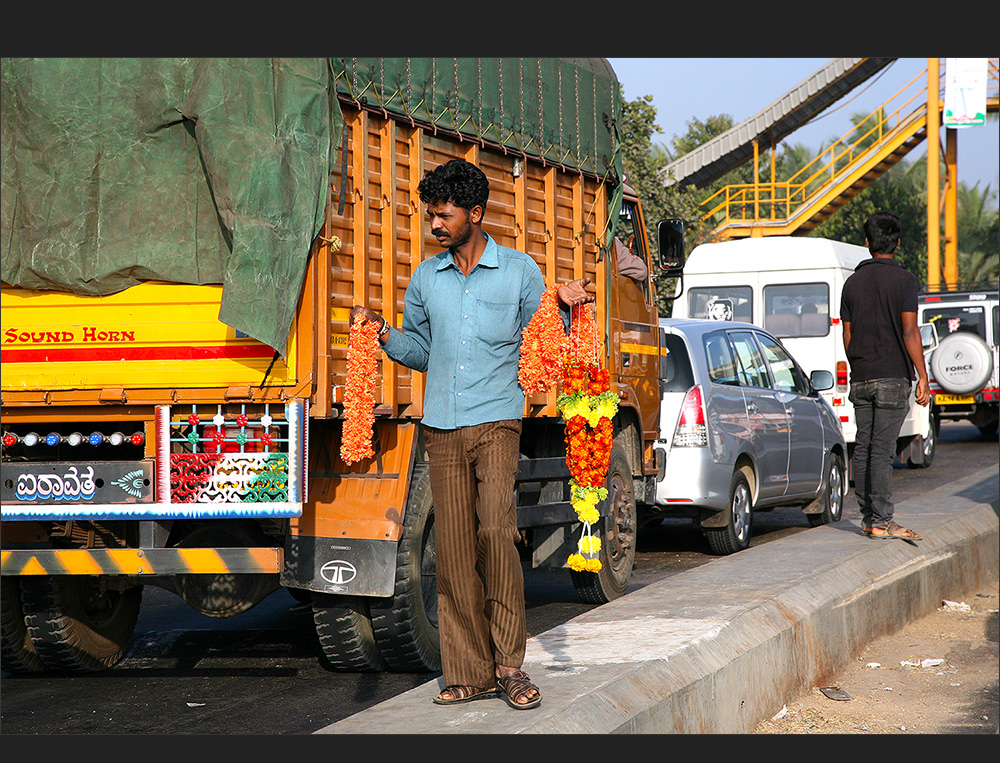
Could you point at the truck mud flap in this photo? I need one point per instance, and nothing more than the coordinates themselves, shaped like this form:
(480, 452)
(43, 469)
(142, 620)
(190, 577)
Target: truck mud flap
(141, 561)
(352, 566)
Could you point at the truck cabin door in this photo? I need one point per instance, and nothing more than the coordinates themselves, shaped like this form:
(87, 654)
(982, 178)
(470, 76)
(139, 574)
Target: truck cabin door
(634, 320)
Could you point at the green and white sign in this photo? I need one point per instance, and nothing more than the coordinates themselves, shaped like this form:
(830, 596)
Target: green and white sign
(964, 92)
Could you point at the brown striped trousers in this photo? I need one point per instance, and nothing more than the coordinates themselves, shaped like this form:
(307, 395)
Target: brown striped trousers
(480, 583)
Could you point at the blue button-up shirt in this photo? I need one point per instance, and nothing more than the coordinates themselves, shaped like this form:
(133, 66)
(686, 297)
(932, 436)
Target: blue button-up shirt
(465, 332)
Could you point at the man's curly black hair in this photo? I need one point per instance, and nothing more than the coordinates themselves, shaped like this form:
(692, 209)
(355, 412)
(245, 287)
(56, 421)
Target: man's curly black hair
(457, 181)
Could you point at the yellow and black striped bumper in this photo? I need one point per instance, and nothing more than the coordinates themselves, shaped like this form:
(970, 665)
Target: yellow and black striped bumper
(141, 561)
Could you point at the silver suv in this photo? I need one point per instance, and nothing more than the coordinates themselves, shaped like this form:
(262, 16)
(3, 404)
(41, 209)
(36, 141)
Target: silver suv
(963, 368)
(742, 427)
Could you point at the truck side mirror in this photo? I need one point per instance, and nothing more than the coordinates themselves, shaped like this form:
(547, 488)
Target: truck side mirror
(670, 239)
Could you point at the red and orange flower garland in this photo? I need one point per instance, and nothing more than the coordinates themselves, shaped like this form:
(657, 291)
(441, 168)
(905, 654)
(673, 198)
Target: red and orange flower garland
(586, 404)
(543, 347)
(359, 392)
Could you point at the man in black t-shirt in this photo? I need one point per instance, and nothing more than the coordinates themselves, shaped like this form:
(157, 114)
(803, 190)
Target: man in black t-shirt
(878, 309)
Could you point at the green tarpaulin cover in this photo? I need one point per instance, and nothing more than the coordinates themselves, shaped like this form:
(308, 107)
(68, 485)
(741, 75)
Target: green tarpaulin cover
(215, 171)
(562, 110)
(118, 171)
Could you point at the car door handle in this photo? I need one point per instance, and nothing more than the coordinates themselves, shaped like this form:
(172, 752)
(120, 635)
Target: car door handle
(751, 408)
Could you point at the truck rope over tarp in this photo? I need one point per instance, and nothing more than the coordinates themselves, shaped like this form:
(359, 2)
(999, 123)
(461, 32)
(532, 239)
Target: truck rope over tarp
(556, 109)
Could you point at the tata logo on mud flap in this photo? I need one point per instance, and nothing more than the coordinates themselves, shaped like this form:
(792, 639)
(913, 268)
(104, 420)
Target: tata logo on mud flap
(338, 572)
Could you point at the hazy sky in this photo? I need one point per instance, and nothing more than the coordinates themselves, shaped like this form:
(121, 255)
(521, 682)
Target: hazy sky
(697, 88)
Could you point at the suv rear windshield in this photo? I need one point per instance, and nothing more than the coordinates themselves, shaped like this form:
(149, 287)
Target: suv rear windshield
(951, 318)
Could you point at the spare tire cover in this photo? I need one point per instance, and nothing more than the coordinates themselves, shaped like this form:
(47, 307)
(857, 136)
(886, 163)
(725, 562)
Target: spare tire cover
(962, 363)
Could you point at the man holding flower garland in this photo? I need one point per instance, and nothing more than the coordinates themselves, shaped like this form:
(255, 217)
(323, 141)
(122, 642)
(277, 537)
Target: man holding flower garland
(464, 311)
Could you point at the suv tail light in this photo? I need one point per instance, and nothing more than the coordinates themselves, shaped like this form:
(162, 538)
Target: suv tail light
(691, 430)
(842, 374)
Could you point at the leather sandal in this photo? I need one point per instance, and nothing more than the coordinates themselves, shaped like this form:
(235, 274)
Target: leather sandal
(462, 694)
(892, 530)
(517, 685)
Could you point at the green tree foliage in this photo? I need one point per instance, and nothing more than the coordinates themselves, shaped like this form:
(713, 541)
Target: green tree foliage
(978, 223)
(643, 162)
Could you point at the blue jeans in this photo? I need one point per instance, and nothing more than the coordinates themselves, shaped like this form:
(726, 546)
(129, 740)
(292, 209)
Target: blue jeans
(880, 406)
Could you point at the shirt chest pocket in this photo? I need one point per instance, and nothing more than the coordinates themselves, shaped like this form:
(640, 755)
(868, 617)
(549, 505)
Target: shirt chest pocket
(497, 321)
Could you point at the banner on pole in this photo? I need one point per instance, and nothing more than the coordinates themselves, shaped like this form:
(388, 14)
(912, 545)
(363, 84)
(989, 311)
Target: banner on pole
(964, 92)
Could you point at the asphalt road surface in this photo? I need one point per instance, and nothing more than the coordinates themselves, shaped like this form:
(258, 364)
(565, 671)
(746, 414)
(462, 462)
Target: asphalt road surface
(262, 672)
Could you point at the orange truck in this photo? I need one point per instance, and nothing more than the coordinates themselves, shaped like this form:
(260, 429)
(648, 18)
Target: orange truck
(162, 432)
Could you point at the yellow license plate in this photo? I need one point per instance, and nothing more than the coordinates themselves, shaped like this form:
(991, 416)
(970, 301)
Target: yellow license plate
(953, 399)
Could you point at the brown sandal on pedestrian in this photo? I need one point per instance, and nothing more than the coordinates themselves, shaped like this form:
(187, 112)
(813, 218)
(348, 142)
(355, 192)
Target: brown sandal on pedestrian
(517, 685)
(462, 694)
(892, 530)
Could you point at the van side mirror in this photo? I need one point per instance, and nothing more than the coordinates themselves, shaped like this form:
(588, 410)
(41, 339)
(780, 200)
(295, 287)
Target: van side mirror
(821, 379)
(670, 240)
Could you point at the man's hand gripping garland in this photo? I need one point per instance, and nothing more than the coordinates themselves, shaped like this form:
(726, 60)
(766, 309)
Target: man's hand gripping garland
(586, 403)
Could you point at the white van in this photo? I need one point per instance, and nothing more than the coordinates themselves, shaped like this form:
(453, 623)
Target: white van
(791, 286)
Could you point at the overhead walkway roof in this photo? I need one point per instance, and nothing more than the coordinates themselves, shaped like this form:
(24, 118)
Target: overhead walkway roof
(791, 111)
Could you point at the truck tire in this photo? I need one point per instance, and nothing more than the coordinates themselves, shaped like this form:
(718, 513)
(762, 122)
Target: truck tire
(405, 624)
(735, 534)
(17, 654)
(617, 552)
(78, 624)
(225, 595)
(344, 629)
(962, 363)
(833, 495)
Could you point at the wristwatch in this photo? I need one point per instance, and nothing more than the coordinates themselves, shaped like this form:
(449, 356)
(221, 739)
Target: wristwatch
(385, 328)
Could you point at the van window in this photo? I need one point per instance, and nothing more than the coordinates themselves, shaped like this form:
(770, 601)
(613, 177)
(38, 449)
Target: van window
(948, 320)
(752, 371)
(797, 309)
(721, 303)
(788, 377)
(721, 368)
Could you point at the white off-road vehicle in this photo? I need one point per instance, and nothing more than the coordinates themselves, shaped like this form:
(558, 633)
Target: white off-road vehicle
(963, 368)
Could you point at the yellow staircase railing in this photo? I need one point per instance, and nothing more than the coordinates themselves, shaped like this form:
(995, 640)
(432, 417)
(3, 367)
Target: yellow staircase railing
(799, 204)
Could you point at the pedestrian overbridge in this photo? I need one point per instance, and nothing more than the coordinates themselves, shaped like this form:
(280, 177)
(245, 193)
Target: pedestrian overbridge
(799, 204)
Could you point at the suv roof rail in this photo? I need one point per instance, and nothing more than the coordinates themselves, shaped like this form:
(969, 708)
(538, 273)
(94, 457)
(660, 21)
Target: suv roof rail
(984, 295)
(965, 287)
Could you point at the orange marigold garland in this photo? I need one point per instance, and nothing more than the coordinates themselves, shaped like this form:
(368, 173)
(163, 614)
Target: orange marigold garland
(543, 344)
(586, 404)
(359, 392)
